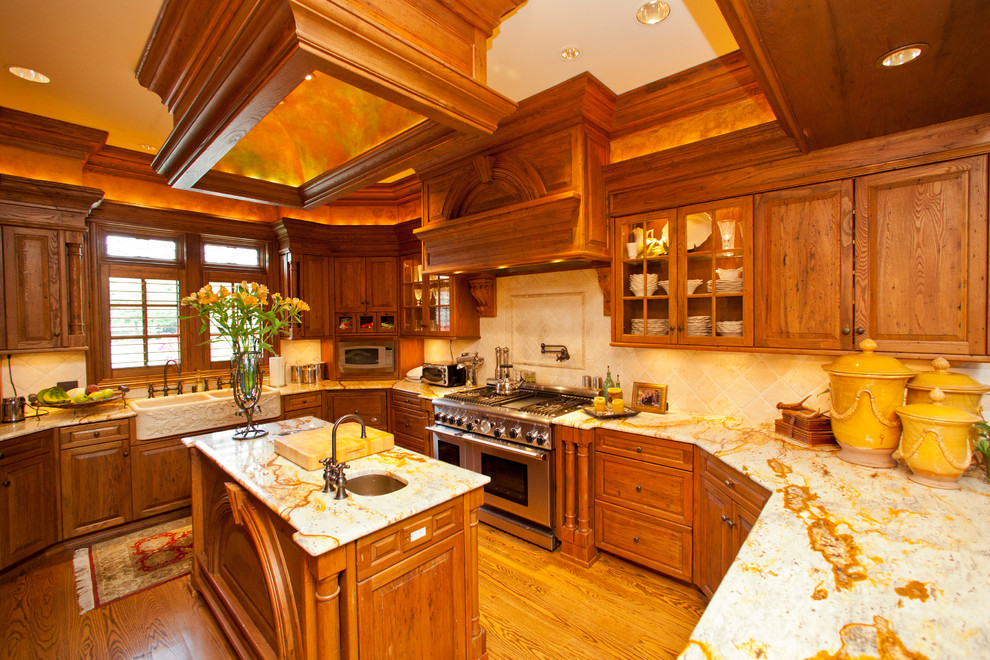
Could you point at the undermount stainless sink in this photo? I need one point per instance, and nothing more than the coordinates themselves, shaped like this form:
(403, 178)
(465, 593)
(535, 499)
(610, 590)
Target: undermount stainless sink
(196, 411)
(370, 485)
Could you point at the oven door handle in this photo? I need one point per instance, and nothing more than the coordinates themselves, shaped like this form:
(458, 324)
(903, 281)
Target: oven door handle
(538, 454)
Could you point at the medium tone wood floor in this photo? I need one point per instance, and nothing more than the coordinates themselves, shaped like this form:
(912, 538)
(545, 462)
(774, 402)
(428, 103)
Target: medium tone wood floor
(533, 605)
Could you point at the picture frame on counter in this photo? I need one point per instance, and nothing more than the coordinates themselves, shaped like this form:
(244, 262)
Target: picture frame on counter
(649, 397)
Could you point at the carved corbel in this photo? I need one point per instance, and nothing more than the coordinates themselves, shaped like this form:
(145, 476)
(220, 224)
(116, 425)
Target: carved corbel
(484, 293)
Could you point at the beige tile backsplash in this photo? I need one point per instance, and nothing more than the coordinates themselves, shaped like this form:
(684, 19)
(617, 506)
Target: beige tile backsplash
(566, 308)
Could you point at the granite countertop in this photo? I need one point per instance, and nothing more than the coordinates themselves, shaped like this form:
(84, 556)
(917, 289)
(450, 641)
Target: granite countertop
(321, 522)
(59, 417)
(423, 389)
(845, 561)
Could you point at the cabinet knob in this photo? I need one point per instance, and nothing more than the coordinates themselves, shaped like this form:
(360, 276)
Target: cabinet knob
(730, 484)
(846, 330)
(635, 539)
(126, 454)
(639, 489)
(96, 434)
(680, 328)
(56, 334)
(639, 450)
(860, 330)
(6, 484)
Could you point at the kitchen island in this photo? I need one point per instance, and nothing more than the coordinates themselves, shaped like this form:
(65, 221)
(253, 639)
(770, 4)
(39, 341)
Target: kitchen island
(291, 572)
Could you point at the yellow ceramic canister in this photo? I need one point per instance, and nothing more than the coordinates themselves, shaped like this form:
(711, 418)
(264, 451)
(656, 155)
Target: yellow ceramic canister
(865, 390)
(935, 441)
(960, 390)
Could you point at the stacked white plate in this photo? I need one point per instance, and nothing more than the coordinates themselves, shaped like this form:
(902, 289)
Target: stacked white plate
(726, 286)
(652, 326)
(636, 284)
(729, 328)
(665, 285)
(692, 285)
(699, 326)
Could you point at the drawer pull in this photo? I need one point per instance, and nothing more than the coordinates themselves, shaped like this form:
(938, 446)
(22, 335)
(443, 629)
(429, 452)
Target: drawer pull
(635, 539)
(639, 489)
(639, 450)
(96, 434)
(6, 484)
(728, 522)
(126, 454)
(730, 484)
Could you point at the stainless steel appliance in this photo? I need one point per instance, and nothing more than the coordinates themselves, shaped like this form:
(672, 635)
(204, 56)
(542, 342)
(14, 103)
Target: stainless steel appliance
(366, 357)
(445, 374)
(13, 409)
(507, 437)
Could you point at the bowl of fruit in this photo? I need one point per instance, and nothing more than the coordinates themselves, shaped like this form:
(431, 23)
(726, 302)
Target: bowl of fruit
(78, 397)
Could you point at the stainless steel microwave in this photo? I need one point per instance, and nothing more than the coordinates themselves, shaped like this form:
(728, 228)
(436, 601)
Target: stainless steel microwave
(366, 357)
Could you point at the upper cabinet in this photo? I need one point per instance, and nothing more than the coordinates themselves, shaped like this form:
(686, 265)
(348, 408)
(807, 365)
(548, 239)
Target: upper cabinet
(365, 294)
(684, 276)
(435, 305)
(44, 271)
(921, 258)
(804, 267)
(309, 277)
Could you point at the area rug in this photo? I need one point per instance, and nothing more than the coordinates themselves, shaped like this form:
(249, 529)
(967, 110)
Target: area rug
(117, 568)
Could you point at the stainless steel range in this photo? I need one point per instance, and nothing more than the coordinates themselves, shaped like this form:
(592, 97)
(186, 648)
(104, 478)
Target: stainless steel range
(508, 437)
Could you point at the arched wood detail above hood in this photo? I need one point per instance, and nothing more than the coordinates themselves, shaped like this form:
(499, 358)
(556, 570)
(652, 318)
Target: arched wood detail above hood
(493, 182)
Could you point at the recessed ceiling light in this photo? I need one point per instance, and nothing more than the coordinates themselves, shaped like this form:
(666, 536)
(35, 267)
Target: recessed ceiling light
(902, 55)
(651, 13)
(148, 147)
(29, 74)
(570, 53)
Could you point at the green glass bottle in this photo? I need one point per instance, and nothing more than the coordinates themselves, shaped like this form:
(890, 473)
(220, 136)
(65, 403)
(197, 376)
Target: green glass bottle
(607, 384)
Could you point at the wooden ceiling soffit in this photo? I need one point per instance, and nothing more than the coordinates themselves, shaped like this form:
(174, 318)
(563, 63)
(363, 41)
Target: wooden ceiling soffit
(38, 203)
(817, 64)
(49, 136)
(220, 67)
(305, 237)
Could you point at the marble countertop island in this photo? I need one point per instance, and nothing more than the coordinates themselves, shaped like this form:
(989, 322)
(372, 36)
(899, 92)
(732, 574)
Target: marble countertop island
(845, 561)
(321, 522)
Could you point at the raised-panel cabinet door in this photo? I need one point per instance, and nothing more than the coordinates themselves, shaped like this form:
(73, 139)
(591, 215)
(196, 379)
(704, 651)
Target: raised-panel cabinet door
(713, 542)
(27, 508)
(921, 258)
(96, 487)
(381, 284)
(315, 289)
(349, 283)
(161, 477)
(32, 286)
(804, 267)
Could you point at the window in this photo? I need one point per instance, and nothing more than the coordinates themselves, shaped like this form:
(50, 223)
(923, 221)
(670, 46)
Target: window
(144, 321)
(230, 255)
(132, 247)
(221, 350)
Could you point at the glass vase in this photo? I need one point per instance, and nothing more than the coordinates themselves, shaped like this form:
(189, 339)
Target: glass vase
(246, 385)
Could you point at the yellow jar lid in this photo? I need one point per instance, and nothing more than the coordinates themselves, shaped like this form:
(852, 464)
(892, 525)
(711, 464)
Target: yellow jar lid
(868, 364)
(947, 381)
(936, 412)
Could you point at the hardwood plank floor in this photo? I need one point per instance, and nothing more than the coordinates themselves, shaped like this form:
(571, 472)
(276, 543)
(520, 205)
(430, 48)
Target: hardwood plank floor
(533, 604)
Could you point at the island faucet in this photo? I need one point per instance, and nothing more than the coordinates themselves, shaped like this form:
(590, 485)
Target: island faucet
(178, 374)
(333, 472)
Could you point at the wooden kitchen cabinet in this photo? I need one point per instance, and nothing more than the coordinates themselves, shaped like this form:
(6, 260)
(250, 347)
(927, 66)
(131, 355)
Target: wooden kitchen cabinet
(365, 295)
(95, 476)
(309, 277)
(33, 287)
(28, 496)
(644, 500)
(369, 405)
(160, 476)
(435, 305)
(804, 267)
(921, 258)
(409, 415)
(680, 281)
(303, 404)
(728, 505)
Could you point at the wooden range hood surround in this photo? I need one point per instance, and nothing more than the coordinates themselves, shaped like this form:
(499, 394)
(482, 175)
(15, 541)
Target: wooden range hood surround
(220, 67)
(529, 197)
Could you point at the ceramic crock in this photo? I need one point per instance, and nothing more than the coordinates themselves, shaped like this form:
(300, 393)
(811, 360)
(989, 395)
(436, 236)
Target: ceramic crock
(866, 389)
(960, 390)
(935, 441)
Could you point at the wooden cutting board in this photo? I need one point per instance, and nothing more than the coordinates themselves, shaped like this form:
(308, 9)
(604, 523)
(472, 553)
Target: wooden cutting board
(307, 448)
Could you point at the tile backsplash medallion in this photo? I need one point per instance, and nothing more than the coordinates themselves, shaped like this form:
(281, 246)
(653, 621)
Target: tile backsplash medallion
(566, 308)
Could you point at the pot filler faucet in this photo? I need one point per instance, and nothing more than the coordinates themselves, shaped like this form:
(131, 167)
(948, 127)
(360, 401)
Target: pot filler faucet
(333, 472)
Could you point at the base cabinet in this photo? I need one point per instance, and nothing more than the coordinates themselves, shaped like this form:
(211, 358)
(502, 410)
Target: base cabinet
(95, 476)
(159, 476)
(409, 415)
(369, 405)
(728, 506)
(28, 502)
(302, 405)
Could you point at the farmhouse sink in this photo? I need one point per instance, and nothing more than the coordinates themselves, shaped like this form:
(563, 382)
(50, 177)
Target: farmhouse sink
(196, 412)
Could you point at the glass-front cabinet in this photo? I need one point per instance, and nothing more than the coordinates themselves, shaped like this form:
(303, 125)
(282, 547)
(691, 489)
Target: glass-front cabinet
(685, 275)
(426, 300)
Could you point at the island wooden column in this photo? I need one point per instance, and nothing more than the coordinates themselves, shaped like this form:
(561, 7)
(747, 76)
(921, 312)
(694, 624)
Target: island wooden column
(575, 528)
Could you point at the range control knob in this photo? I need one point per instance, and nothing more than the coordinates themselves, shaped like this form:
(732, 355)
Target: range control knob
(467, 425)
(442, 417)
(531, 436)
(515, 431)
(498, 431)
(545, 439)
(484, 426)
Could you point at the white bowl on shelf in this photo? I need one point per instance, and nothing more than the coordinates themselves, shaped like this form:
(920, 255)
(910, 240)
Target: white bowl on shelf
(692, 285)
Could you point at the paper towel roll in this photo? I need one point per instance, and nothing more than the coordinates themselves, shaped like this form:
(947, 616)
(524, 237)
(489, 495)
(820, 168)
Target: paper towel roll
(276, 367)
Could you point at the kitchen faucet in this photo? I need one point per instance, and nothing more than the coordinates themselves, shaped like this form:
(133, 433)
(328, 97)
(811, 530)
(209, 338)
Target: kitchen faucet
(333, 472)
(178, 374)
(503, 384)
